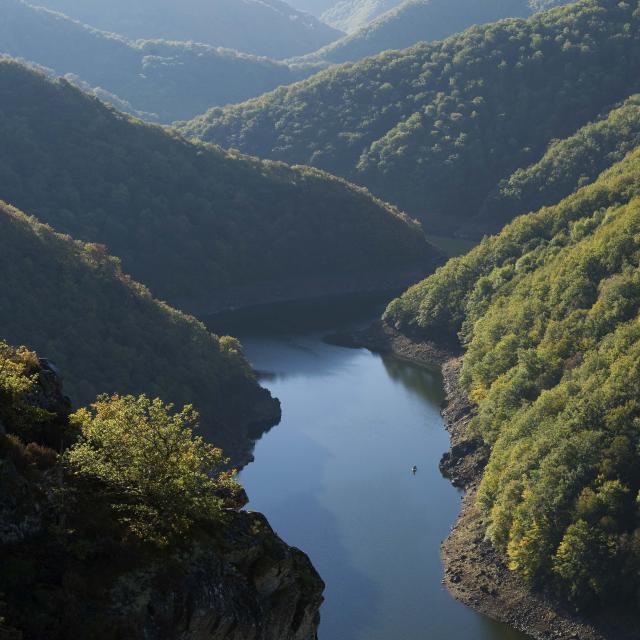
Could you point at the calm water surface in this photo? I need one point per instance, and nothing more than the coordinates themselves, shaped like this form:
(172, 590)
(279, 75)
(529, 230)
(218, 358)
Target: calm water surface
(334, 479)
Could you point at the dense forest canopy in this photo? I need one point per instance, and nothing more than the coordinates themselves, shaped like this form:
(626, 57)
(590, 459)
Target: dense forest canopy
(72, 303)
(189, 220)
(566, 165)
(439, 305)
(549, 314)
(434, 128)
(261, 27)
(160, 80)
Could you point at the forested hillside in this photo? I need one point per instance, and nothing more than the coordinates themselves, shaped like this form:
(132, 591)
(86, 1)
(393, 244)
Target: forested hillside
(161, 80)
(567, 165)
(549, 314)
(261, 27)
(193, 222)
(72, 303)
(434, 128)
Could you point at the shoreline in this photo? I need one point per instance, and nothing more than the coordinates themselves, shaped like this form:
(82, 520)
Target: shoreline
(475, 573)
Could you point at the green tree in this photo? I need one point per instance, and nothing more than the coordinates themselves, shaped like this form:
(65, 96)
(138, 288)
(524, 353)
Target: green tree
(162, 479)
(580, 562)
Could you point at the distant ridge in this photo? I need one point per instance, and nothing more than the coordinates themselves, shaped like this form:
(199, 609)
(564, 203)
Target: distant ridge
(434, 128)
(261, 27)
(351, 15)
(158, 80)
(411, 21)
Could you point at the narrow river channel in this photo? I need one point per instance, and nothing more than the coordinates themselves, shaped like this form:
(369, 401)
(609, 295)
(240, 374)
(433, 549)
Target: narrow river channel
(334, 479)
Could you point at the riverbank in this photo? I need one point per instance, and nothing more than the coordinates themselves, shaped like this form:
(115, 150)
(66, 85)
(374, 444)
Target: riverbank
(475, 573)
(381, 338)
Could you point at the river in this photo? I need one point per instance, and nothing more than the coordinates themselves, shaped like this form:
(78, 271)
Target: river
(334, 478)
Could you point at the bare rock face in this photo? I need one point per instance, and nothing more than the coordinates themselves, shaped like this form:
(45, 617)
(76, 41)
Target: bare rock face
(258, 588)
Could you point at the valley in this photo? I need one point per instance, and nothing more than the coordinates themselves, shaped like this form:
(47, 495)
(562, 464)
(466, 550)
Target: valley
(319, 320)
(357, 420)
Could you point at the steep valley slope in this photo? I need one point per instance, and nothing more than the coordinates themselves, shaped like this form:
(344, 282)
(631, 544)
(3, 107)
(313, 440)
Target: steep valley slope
(201, 227)
(71, 301)
(547, 315)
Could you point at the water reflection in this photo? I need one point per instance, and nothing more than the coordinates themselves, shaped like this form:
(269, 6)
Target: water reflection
(425, 382)
(304, 358)
(334, 479)
(352, 595)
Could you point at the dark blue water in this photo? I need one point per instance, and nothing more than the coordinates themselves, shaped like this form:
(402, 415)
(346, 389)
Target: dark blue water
(334, 479)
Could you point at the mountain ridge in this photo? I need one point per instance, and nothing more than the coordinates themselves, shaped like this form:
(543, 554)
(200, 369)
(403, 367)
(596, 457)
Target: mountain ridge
(435, 127)
(190, 221)
(159, 80)
(261, 27)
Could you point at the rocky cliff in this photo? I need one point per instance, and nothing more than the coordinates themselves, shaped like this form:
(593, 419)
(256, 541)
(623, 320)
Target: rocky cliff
(255, 588)
(65, 575)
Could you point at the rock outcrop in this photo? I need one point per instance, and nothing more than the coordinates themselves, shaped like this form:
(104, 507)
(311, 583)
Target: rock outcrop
(23, 500)
(257, 588)
(236, 580)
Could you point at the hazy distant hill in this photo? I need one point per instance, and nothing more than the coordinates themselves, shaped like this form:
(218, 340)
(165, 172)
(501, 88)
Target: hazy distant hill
(193, 222)
(160, 80)
(346, 15)
(416, 21)
(435, 128)
(350, 15)
(261, 27)
(353, 15)
(316, 7)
